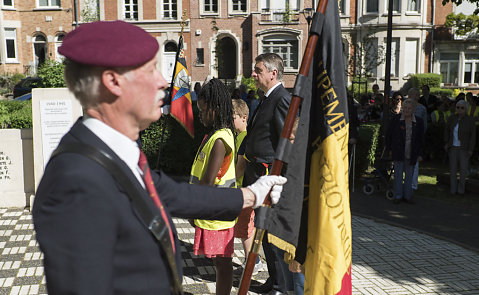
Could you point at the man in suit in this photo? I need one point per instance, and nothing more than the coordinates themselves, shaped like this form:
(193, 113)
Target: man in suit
(93, 237)
(264, 131)
(428, 100)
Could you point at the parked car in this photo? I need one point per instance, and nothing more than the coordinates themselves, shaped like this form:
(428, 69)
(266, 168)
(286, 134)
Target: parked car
(25, 86)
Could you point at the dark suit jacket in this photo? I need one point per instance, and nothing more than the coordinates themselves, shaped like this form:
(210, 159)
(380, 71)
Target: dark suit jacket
(431, 103)
(265, 127)
(92, 239)
(396, 139)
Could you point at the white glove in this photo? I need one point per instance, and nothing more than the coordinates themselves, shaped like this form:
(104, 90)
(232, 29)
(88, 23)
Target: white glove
(263, 185)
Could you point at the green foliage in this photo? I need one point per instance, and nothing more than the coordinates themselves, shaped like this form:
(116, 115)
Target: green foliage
(15, 114)
(287, 13)
(51, 73)
(8, 81)
(249, 83)
(176, 146)
(90, 12)
(367, 56)
(368, 146)
(440, 91)
(430, 79)
(462, 24)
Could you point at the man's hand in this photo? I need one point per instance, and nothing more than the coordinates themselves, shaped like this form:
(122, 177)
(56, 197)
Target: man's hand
(262, 187)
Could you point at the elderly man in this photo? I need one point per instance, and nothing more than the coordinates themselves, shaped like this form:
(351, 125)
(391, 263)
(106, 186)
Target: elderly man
(90, 226)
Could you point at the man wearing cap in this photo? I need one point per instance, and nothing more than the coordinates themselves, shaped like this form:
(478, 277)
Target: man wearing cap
(93, 237)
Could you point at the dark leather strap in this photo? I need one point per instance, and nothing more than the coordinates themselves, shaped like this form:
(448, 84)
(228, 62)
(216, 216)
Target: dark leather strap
(155, 224)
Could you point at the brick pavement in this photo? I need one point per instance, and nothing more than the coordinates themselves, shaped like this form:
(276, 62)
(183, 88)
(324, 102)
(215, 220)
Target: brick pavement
(386, 260)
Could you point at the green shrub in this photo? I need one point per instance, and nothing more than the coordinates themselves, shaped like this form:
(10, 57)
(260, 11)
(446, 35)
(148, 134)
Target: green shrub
(368, 146)
(8, 81)
(176, 146)
(51, 73)
(430, 79)
(249, 83)
(439, 91)
(15, 114)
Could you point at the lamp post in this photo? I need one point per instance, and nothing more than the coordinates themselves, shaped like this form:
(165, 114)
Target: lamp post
(308, 15)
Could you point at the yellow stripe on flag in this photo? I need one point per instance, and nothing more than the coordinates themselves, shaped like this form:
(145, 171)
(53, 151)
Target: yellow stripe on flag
(179, 68)
(329, 226)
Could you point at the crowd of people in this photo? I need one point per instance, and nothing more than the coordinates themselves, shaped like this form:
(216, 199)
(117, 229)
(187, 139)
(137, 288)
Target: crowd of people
(425, 127)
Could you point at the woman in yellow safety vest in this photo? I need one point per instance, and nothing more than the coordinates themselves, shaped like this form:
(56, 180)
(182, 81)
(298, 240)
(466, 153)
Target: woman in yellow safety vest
(214, 166)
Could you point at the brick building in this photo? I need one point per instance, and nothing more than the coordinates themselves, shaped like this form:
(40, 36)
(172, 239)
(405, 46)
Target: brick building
(221, 37)
(31, 32)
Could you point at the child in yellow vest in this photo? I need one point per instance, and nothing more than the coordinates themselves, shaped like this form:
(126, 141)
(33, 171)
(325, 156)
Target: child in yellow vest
(244, 228)
(214, 166)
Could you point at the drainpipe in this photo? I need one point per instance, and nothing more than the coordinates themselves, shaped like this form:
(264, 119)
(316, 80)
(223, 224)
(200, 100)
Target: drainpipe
(75, 12)
(433, 22)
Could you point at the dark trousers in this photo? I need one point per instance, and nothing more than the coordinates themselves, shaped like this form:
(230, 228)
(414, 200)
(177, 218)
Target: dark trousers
(252, 172)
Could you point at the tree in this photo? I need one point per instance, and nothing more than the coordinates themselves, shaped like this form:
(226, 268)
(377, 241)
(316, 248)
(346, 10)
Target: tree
(463, 25)
(458, 2)
(90, 11)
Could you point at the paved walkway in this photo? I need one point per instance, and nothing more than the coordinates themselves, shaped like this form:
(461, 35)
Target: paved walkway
(386, 260)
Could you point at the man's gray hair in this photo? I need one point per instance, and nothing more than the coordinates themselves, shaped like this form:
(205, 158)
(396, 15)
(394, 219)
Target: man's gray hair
(84, 82)
(272, 62)
(414, 92)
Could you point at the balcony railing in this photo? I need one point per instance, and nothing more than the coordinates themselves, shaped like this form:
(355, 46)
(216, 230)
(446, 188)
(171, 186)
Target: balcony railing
(279, 16)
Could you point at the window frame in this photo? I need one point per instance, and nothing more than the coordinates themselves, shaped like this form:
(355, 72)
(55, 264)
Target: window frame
(49, 5)
(366, 7)
(448, 62)
(474, 71)
(15, 45)
(386, 7)
(203, 4)
(170, 9)
(11, 6)
(131, 5)
(232, 11)
(279, 37)
(417, 10)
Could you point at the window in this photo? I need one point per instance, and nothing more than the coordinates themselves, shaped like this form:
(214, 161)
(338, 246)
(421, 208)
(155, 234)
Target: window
(285, 46)
(413, 5)
(210, 6)
(170, 9)
(342, 7)
(239, 5)
(471, 69)
(371, 56)
(396, 6)
(372, 6)
(8, 3)
(410, 60)
(58, 43)
(200, 56)
(131, 10)
(11, 45)
(49, 3)
(280, 4)
(449, 67)
(394, 56)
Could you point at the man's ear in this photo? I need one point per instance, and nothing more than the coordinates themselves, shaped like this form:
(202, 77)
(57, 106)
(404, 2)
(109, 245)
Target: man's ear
(274, 74)
(111, 81)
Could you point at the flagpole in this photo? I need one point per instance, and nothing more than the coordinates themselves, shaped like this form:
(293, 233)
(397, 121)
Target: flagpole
(278, 164)
(168, 99)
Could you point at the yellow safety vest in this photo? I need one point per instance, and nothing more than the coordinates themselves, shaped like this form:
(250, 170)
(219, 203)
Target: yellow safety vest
(238, 140)
(437, 116)
(226, 176)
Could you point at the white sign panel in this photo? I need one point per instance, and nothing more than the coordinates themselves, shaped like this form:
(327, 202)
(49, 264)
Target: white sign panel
(56, 120)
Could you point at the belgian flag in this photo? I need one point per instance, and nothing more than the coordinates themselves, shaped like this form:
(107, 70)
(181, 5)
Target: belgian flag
(329, 240)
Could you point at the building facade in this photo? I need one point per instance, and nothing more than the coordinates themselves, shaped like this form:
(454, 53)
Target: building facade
(31, 32)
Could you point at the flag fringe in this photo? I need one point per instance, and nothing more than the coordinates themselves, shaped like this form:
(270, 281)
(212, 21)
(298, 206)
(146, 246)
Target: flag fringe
(289, 248)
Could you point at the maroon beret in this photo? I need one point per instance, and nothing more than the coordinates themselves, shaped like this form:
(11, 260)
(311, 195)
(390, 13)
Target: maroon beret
(109, 44)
